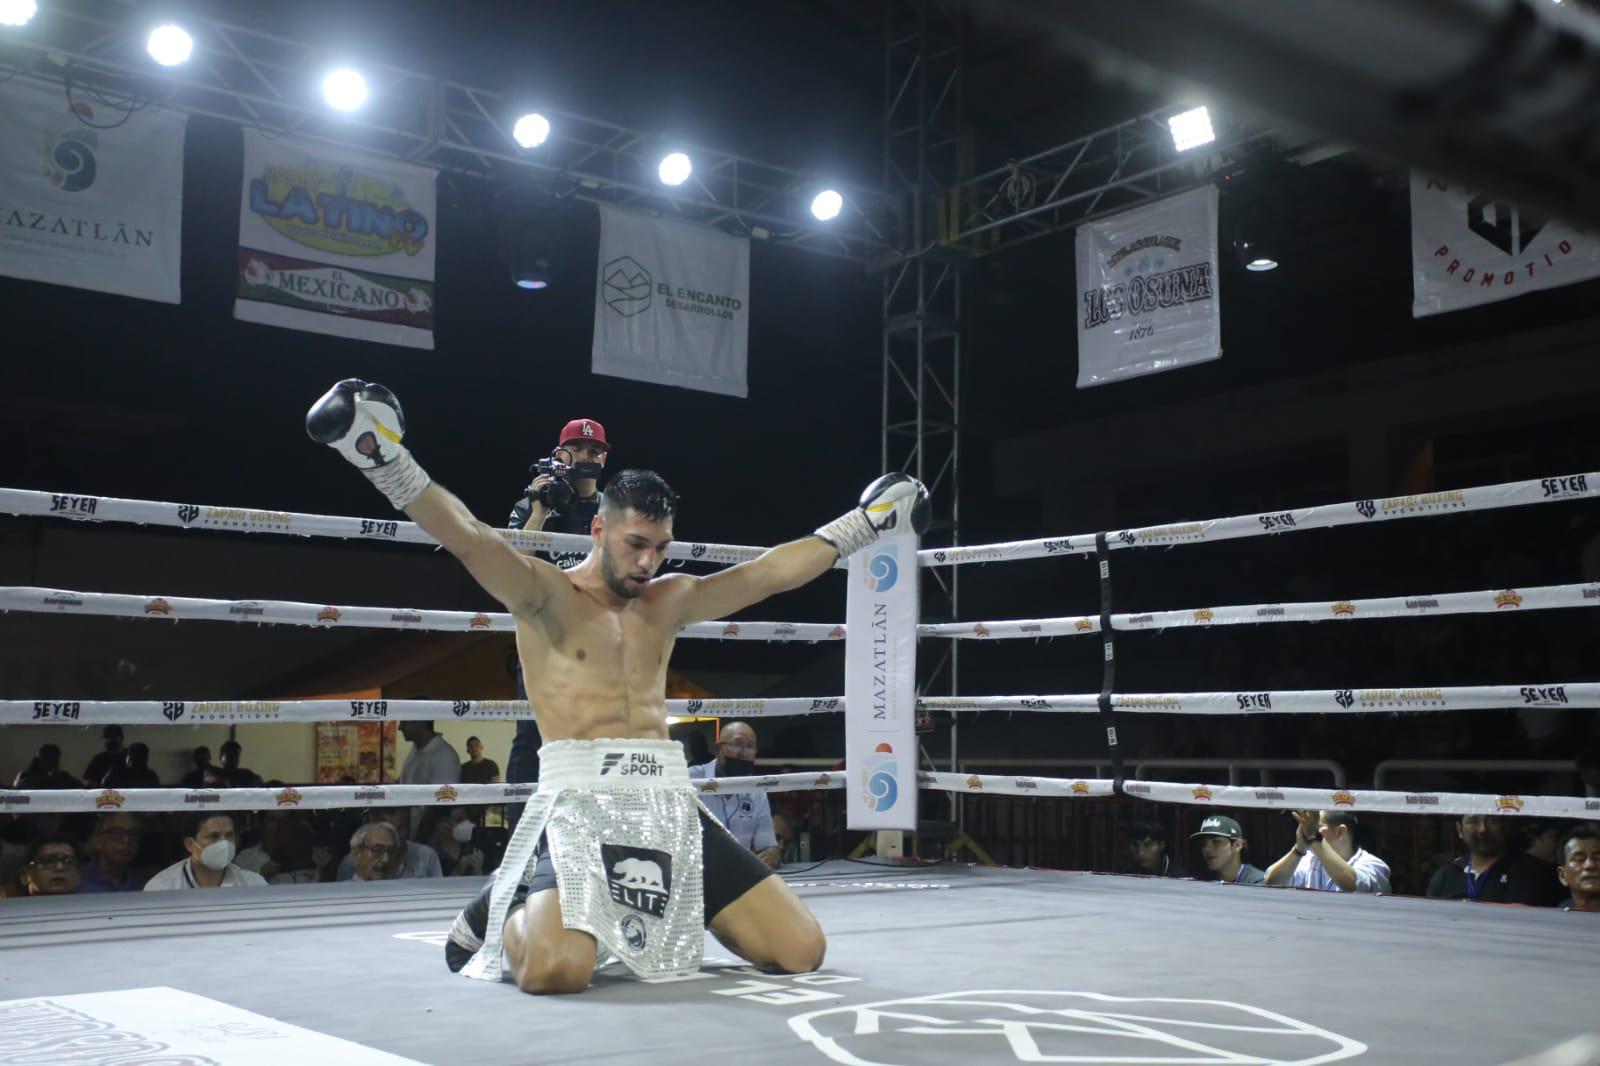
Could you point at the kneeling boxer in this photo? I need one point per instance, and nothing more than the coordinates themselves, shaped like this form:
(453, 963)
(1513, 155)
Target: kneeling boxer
(614, 849)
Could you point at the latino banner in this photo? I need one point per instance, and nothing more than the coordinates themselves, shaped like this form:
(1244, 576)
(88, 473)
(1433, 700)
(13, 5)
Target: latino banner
(335, 242)
(1470, 247)
(672, 304)
(90, 196)
(1147, 284)
(880, 685)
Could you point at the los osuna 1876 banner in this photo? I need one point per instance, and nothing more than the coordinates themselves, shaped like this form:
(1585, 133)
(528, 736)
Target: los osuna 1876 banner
(334, 242)
(880, 667)
(1147, 284)
(90, 196)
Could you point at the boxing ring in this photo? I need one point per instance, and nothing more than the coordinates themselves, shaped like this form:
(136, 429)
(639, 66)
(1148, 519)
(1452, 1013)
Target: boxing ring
(940, 963)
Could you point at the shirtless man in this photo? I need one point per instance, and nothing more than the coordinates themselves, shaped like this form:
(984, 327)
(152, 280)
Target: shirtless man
(594, 643)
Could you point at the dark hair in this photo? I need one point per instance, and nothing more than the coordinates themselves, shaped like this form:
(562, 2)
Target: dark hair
(1144, 829)
(192, 824)
(52, 838)
(471, 739)
(1344, 818)
(644, 492)
(1583, 831)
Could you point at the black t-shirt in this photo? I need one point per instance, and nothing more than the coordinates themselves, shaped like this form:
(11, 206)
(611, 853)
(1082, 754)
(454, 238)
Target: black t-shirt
(479, 773)
(1516, 878)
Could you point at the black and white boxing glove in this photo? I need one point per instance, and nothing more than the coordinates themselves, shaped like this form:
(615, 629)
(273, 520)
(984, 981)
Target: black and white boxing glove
(364, 423)
(891, 504)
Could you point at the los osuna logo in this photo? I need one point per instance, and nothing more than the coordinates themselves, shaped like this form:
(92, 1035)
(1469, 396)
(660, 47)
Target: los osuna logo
(883, 568)
(631, 764)
(639, 878)
(625, 286)
(880, 779)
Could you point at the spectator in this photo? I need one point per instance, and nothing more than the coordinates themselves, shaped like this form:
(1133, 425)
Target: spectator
(283, 855)
(44, 771)
(1542, 840)
(1326, 856)
(420, 860)
(477, 770)
(196, 778)
(375, 851)
(748, 815)
(450, 834)
(431, 761)
(51, 868)
(1147, 852)
(1222, 846)
(1580, 868)
(211, 843)
(95, 772)
(235, 775)
(134, 770)
(783, 830)
(111, 851)
(1492, 871)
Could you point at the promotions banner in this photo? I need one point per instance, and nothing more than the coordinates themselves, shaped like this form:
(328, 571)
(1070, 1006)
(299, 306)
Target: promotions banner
(90, 196)
(1470, 248)
(880, 669)
(1148, 279)
(671, 304)
(335, 242)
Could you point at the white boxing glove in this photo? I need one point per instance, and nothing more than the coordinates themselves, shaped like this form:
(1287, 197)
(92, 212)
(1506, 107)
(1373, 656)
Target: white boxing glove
(364, 423)
(893, 503)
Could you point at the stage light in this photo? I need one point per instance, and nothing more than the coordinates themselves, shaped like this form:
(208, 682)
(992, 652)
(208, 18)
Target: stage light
(169, 45)
(17, 12)
(531, 130)
(1254, 257)
(1191, 129)
(675, 169)
(344, 89)
(826, 205)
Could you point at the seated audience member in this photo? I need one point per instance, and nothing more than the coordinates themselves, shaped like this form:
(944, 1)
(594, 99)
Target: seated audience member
(477, 770)
(1491, 871)
(211, 842)
(1542, 840)
(196, 778)
(110, 851)
(1326, 856)
(44, 771)
(134, 770)
(449, 832)
(283, 855)
(1580, 868)
(747, 815)
(1222, 846)
(1147, 852)
(232, 773)
(783, 830)
(95, 772)
(419, 860)
(51, 868)
(375, 853)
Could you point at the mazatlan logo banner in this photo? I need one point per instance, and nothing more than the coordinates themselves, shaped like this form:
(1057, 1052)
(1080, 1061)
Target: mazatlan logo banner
(333, 242)
(1470, 248)
(1147, 290)
(879, 685)
(672, 304)
(90, 196)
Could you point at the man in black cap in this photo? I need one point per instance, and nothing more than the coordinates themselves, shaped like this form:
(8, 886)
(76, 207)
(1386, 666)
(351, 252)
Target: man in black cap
(1147, 852)
(1222, 849)
(102, 763)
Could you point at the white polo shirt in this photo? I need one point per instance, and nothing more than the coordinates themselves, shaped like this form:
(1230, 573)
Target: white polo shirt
(435, 763)
(1372, 873)
(179, 876)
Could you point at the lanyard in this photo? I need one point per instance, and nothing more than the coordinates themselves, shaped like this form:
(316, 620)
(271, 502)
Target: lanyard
(1472, 880)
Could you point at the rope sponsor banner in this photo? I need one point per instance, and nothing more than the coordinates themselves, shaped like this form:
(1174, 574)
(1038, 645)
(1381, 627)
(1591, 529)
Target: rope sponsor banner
(1357, 799)
(1009, 785)
(91, 196)
(1148, 282)
(1469, 247)
(880, 667)
(331, 241)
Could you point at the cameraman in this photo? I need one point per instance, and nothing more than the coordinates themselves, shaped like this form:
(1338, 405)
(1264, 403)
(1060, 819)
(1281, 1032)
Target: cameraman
(563, 498)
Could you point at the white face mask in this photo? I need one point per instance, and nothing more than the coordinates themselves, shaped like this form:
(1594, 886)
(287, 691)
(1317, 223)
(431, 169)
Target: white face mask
(217, 856)
(463, 832)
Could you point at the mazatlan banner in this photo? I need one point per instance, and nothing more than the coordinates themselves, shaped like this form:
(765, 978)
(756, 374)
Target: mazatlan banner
(334, 242)
(1147, 280)
(1470, 248)
(880, 666)
(672, 304)
(90, 196)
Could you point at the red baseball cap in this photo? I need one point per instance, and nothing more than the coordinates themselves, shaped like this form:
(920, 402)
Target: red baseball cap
(586, 430)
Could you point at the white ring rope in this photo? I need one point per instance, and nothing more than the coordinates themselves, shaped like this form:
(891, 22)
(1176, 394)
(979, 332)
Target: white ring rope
(1556, 695)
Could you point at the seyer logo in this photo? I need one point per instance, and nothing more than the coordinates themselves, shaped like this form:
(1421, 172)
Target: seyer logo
(639, 878)
(631, 764)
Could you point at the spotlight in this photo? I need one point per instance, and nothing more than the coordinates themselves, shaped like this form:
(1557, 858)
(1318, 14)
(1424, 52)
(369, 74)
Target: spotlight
(533, 228)
(17, 12)
(169, 45)
(827, 205)
(675, 169)
(344, 89)
(531, 130)
(1191, 129)
(1254, 256)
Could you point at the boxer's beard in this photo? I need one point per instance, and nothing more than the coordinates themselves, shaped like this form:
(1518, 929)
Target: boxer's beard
(617, 583)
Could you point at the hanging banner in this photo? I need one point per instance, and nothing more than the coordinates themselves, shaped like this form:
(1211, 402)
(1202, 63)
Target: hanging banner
(1147, 280)
(90, 196)
(334, 242)
(671, 304)
(880, 669)
(1470, 248)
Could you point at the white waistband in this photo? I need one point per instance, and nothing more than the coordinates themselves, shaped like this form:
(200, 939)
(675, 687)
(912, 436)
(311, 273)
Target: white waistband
(613, 764)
